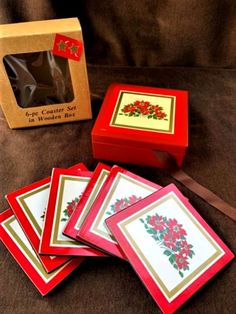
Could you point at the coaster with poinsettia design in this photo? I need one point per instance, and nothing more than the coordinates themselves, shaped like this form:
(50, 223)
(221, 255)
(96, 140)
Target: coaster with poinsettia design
(29, 204)
(94, 186)
(169, 245)
(14, 238)
(66, 189)
(121, 189)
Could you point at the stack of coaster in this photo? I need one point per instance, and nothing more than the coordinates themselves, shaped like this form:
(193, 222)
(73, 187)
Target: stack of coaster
(55, 223)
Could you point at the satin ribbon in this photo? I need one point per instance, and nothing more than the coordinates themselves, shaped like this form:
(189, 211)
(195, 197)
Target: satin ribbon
(211, 198)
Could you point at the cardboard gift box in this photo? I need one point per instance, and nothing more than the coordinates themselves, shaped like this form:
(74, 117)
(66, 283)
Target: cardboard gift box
(142, 125)
(43, 75)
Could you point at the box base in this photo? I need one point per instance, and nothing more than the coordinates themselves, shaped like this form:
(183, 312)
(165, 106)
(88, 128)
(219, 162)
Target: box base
(136, 155)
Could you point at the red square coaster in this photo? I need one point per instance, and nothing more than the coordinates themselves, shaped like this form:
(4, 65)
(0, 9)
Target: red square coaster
(169, 245)
(29, 205)
(94, 186)
(121, 189)
(67, 187)
(12, 235)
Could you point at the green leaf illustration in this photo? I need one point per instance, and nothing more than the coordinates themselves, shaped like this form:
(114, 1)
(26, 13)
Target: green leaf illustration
(191, 254)
(167, 252)
(151, 231)
(181, 274)
(172, 258)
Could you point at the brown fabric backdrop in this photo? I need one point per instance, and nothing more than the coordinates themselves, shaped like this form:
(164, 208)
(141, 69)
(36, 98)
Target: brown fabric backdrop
(172, 44)
(143, 32)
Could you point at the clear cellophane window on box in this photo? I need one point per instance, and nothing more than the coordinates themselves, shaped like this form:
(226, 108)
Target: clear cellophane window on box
(39, 78)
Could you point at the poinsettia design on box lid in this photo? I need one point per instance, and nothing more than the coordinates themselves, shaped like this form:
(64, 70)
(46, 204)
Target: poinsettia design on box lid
(122, 204)
(170, 236)
(144, 109)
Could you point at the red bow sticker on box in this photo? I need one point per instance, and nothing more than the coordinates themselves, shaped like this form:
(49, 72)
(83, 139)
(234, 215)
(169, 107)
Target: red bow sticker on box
(67, 47)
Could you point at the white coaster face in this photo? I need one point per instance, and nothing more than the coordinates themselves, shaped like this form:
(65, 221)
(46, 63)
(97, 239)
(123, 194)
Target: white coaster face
(34, 204)
(123, 192)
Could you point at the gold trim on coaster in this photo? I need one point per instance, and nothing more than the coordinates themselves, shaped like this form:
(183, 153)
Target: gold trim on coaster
(21, 200)
(171, 118)
(104, 206)
(102, 177)
(30, 256)
(173, 293)
(58, 210)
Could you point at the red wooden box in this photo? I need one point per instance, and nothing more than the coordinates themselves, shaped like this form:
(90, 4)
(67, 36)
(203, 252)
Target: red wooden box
(139, 125)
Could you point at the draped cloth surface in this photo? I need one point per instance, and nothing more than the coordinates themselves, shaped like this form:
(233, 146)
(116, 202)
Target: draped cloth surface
(181, 44)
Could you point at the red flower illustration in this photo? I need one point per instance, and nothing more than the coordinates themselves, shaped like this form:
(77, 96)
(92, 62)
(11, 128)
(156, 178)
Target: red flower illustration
(71, 206)
(176, 228)
(119, 204)
(123, 203)
(130, 108)
(144, 108)
(134, 199)
(144, 111)
(170, 239)
(181, 261)
(170, 236)
(185, 248)
(157, 222)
